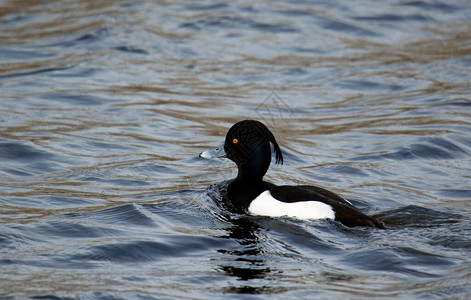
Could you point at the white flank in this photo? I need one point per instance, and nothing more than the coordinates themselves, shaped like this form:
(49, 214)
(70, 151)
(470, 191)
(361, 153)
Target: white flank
(266, 205)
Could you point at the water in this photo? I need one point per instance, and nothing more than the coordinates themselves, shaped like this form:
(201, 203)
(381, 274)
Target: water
(105, 106)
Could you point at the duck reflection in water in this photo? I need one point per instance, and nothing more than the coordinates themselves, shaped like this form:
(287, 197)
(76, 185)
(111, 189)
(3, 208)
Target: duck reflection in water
(245, 263)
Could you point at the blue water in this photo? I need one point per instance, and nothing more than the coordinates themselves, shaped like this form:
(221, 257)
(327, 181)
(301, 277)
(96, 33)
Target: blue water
(105, 106)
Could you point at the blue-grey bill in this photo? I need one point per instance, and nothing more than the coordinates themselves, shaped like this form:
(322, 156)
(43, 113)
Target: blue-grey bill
(218, 152)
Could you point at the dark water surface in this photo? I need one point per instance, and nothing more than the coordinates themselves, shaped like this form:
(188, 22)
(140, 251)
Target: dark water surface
(105, 106)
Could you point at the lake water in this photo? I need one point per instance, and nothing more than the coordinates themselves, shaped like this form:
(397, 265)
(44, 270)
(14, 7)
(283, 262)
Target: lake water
(105, 106)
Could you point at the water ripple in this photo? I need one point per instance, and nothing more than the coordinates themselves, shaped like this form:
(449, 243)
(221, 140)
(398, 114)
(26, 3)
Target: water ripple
(107, 104)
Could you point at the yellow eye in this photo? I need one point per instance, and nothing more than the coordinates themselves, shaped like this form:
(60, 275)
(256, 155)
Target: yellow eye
(235, 141)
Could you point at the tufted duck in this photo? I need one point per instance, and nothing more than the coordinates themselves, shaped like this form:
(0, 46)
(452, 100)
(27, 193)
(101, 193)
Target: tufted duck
(248, 145)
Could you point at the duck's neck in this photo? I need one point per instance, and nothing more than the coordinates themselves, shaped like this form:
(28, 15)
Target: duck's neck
(250, 175)
(253, 170)
(249, 181)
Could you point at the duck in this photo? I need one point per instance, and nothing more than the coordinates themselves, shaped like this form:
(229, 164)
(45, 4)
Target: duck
(247, 144)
